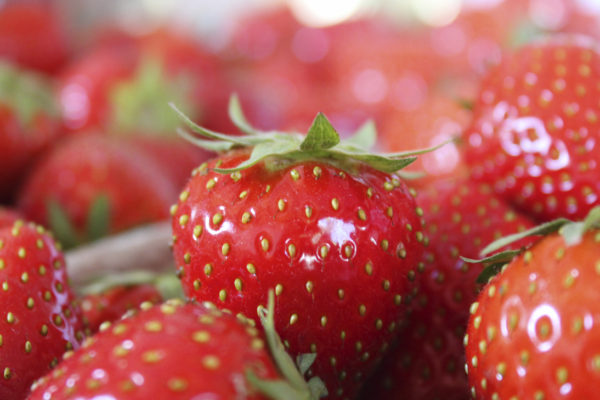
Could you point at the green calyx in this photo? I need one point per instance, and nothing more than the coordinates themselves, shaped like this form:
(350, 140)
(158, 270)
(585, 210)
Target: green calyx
(26, 93)
(97, 223)
(572, 233)
(322, 143)
(293, 386)
(138, 104)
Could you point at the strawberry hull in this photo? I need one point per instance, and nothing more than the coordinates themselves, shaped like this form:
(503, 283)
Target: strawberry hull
(338, 248)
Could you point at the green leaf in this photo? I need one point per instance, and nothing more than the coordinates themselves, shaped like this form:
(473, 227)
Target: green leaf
(242, 141)
(382, 163)
(573, 232)
(212, 145)
(493, 264)
(236, 114)
(539, 230)
(365, 137)
(260, 152)
(304, 361)
(275, 389)
(419, 152)
(321, 135)
(411, 175)
(61, 225)
(98, 221)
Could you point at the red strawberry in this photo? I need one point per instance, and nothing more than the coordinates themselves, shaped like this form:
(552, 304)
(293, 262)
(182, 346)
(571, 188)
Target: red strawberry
(315, 220)
(39, 321)
(92, 185)
(534, 331)
(125, 88)
(8, 217)
(172, 351)
(535, 133)
(113, 303)
(32, 36)
(29, 122)
(461, 217)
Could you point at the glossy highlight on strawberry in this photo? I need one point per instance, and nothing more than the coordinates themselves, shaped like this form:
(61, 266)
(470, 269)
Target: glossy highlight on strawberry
(39, 320)
(337, 239)
(535, 134)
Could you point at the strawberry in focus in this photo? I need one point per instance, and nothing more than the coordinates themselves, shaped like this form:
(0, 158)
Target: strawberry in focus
(427, 362)
(174, 351)
(534, 330)
(335, 236)
(93, 185)
(534, 135)
(39, 319)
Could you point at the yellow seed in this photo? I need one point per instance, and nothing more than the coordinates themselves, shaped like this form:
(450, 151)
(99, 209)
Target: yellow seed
(293, 319)
(323, 321)
(208, 269)
(295, 174)
(281, 204)
(278, 289)
(264, 244)
(291, 250)
(183, 219)
(369, 268)
(184, 195)
(341, 293)
(362, 215)
(335, 204)
(308, 211)
(225, 248)
(21, 252)
(309, 286)
(177, 384)
(317, 171)
(246, 216)
(323, 251)
(238, 284)
(197, 231)
(222, 295)
(251, 268)
(210, 184)
(201, 337)
(362, 309)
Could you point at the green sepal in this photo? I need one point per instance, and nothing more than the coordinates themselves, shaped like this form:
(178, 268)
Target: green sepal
(493, 264)
(540, 230)
(237, 116)
(321, 135)
(26, 93)
(572, 233)
(61, 225)
(138, 104)
(98, 219)
(322, 143)
(292, 386)
(364, 138)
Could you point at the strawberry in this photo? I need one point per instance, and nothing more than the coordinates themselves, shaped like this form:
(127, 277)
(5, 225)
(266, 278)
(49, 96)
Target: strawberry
(330, 227)
(169, 351)
(32, 36)
(113, 303)
(29, 122)
(124, 88)
(461, 217)
(92, 185)
(534, 134)
(39, 320)
(533, 332)
(8, 216)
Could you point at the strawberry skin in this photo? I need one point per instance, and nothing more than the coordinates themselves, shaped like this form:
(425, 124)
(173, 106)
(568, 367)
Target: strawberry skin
(535, 135)
(113, 303)
(461, 217)
(170, 351)
(8, 217)
(534, 332)
(83, 168)
(338, 247)
(38, 320)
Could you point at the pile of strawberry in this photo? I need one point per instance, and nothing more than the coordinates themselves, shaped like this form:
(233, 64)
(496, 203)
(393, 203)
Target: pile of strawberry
(310, 260)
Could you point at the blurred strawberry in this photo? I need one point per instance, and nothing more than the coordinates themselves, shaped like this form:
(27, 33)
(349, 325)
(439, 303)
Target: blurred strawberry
(29, 122)
(8, 216)
(93, 185)
(32, 36)
(127, 88)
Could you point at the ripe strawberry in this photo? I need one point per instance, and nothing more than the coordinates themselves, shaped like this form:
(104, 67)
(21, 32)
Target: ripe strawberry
(534, 135)
(534, 330)
(322, 224)
(113, 303)
(461, 217)
(124, 88)
(29, 122)
(39, 321)
(31, 35)
(8, 217)
(92, 185)
(171, 351)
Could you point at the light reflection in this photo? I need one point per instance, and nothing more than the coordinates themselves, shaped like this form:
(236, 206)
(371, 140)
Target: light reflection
(339, 231)
(544, 311)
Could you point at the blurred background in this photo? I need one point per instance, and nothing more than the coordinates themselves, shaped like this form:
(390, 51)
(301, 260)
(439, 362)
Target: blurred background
(111, 67)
